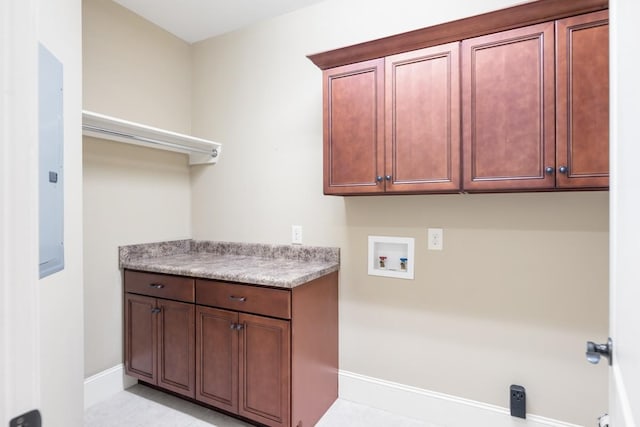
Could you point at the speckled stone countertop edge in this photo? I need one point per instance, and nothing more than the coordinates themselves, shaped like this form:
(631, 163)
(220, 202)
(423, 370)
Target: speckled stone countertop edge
(284, 266)
(128, 253)
(247, 279)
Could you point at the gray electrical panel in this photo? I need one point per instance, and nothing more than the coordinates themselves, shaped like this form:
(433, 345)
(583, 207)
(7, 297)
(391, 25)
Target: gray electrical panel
(50, 181)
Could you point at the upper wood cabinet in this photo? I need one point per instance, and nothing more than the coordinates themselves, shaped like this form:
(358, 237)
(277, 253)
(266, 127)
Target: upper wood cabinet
(582, 101)
(520, 132)
(392, 125)
(508, 109)
(353, 128)
(511, 100)
(422, 123)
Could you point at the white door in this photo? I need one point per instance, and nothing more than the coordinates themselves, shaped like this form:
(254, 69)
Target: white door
(19, 309)
(624, 394)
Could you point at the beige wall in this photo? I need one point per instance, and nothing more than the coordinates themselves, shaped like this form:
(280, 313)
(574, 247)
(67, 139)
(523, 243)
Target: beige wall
(135, 71)
(131, 195)
(521, 284)
(519, 288)
(61, 310)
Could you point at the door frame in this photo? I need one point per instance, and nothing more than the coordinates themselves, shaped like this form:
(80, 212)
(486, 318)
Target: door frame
(19, 288)
(624, 383)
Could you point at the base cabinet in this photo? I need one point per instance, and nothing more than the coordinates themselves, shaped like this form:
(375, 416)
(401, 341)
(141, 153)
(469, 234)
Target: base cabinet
(243, 360)
(267, 355)
(160, 342)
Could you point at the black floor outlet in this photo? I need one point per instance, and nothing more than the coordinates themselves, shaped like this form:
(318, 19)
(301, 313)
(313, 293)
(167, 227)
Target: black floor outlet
(518, 399)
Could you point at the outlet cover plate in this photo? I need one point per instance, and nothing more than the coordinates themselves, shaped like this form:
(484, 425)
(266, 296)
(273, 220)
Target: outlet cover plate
(296, 234)
(435, 239)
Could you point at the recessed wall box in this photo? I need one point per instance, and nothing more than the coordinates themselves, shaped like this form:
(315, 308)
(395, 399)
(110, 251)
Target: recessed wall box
(391, 256)
(51, 167)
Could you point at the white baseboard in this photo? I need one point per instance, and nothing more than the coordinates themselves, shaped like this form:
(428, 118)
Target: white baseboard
(432, 407)
(424, 405)
(105, 384)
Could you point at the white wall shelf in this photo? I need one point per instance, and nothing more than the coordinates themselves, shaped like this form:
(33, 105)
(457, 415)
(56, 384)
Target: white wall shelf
(200, 151)
(391, 256)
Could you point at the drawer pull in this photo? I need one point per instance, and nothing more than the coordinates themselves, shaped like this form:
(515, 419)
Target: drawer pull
(156, 286)
(155, 310)
(234, 298)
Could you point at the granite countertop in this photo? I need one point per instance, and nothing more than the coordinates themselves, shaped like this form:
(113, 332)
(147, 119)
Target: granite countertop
(284, 266)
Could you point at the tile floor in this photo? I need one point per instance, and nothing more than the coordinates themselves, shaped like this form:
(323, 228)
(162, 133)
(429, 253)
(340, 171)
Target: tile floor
(141, 406)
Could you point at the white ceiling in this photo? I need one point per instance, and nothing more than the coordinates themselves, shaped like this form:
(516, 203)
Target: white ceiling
(195, 20)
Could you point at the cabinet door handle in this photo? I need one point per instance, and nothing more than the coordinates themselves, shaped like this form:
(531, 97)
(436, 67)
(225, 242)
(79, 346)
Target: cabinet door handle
(155, 310)
(563, 169)
(234, 298)
(239, 326)
(378, 178)
(156, 285)
(548, 170)
(388, 177)
(232, 326)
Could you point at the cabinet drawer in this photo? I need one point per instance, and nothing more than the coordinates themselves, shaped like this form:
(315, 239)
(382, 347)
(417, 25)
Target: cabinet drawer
(160, 285)
(246, 298)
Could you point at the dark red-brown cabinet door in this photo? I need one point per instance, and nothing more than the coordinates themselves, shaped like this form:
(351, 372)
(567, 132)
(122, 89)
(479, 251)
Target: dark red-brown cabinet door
(265, 370)
(582, 63)
(422, 96)
(217, 358)
(176, 346)
(508, 114)
(140, 337)
(354, 128)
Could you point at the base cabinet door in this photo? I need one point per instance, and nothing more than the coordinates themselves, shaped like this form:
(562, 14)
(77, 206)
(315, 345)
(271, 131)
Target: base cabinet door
(176, 346)
(265, 370)
(141, 356)
(159, 342)
(217, 358)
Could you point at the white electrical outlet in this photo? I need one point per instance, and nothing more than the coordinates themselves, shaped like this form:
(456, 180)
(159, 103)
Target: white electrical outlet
(435, 239)
(296, 234)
